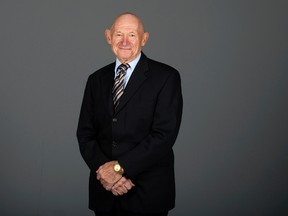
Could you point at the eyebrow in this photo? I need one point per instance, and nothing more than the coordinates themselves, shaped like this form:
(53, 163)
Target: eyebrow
(134, 32)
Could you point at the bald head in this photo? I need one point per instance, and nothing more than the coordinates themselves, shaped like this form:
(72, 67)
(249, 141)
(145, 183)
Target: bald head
(126, 37)
(128, 16)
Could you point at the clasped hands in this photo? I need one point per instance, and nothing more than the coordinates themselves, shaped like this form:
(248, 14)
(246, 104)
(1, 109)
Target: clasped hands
(112, 181)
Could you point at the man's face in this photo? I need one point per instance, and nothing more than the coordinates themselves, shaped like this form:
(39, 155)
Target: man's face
(126, 37)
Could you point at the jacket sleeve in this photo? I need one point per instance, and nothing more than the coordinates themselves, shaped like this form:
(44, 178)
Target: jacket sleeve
(166, 123)
(87, 131)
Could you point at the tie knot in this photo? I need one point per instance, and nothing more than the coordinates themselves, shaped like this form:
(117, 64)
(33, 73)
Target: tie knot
(123, 67)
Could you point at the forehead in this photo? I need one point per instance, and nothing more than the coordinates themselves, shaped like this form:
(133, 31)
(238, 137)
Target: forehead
(127, 21)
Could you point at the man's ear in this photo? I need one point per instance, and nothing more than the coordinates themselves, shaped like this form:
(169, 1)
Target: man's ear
(145, 38)
(108, 35)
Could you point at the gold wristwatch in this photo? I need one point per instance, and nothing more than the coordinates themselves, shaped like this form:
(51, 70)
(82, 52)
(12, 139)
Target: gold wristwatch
(118, 169)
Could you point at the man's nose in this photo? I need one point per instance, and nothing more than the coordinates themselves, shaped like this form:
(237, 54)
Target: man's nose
(125, 41)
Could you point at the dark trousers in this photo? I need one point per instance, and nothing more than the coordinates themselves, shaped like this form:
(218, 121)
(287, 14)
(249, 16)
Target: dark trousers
(118, 211)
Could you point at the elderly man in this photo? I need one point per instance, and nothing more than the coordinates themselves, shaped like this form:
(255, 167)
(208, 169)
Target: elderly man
(129, 120)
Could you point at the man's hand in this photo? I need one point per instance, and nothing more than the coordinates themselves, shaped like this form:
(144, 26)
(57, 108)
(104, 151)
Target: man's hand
(122, 186)
(107, 176)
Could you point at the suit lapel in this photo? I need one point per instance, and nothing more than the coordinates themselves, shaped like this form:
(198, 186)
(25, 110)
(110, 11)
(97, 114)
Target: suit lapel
(136, 80)
(107, 85)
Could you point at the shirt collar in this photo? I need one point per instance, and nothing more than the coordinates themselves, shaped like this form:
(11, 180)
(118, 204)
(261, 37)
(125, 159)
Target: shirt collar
(132, 63)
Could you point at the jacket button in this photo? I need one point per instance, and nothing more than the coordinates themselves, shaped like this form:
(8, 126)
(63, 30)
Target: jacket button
(114, 144)
(114, 120)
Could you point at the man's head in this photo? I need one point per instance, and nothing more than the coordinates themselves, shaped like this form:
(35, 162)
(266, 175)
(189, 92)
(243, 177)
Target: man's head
(126, 37)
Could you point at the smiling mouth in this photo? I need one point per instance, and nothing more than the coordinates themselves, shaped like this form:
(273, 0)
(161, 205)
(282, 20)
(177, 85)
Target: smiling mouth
(125, 48)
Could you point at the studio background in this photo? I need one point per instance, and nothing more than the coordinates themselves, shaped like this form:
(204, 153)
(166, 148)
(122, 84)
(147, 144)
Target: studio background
(231, 152)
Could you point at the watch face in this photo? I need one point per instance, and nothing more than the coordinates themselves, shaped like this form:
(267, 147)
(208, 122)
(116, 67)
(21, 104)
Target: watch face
(117, 167)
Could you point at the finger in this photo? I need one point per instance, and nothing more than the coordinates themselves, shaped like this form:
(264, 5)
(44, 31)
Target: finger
(114, 192)
(120, 188)
(117, 187)
(107, 185)
(103, 182)
(128, 186)
(98, 176)
(131, 183)
(108, 188)
(124, 189)
(99, 168)
(124, 185)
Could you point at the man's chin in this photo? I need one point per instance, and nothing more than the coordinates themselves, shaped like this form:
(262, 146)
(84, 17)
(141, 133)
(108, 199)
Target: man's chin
(125, 58)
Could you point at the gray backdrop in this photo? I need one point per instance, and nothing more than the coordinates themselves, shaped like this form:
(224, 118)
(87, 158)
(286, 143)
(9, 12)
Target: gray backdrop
(231, 153)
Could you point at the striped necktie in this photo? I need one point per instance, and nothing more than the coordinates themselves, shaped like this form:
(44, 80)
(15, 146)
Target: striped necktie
(118, 87)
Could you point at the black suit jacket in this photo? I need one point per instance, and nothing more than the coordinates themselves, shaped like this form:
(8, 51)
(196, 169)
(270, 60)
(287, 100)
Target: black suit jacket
(140, 134)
